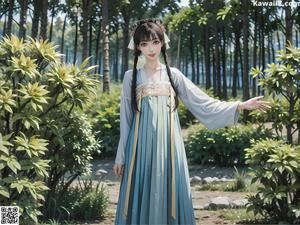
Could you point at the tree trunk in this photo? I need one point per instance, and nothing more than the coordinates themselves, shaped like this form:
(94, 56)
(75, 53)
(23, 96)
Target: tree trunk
(100, 62)
(198, 65)
(246, 56)
(35, 19)
(269, 49)
(10, 17)
(186, 65)
(63, 39)
(224, 65)
(254, 53)
(51, 25)
(23, 17)
(297, 33)
(272, 48)
(217, 62)
(97, 47)
(178, 52)
(230, 66)
(76, 39)
(263, 49)
(288, 25)
(235, 63)
(105, 32)
(278, 40)
(86, 9)
(44, 19)
(214, 71)
(202, 67)
(117, 54)
(126, 18)
(67, 55)
(192, 56)
(90, 38)
(207, 58)
(241, 68)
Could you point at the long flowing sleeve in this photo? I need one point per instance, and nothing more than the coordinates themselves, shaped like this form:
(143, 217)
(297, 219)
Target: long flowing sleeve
(126, 114)
(211, 112)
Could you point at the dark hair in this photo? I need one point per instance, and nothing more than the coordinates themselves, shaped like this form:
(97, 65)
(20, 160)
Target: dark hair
(144, 30)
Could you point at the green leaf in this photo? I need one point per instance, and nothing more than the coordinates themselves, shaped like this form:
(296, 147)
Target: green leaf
(4, 191)
(13, 164)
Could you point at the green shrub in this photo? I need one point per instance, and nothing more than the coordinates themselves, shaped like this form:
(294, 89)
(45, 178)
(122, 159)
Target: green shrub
(82, 202)
(38, 98)
(224, 146)
(104, 114)
(55, 222)
(281, 81)
(276, 165)
(185, 116)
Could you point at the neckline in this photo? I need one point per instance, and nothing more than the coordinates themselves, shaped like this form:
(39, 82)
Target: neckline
(163, 67)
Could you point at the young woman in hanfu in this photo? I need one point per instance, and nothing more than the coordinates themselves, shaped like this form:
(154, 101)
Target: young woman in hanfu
(151, 159)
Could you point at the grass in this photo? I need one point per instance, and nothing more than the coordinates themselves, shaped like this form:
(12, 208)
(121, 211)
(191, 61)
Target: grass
(227, 186)
(55, 222)
(240, 216)
(241, 183)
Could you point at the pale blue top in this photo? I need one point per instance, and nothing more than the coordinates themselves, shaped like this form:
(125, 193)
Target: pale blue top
(211, 112)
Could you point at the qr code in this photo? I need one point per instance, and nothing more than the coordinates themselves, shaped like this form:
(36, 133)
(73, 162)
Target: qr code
(9, 215)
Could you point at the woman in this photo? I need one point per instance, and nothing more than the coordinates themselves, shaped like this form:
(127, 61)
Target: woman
(151, 157)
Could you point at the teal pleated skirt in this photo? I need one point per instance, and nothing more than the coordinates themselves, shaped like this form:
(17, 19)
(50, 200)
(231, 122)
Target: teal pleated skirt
(150, 192)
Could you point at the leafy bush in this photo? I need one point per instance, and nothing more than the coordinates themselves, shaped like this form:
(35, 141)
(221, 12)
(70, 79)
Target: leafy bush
(104, 113)
(40, 135)
(276, 165)
(185, 116)
(82, 202)
(282, 82)
(224, 146)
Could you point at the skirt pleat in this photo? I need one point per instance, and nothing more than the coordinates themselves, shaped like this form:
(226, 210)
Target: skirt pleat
(150, 194)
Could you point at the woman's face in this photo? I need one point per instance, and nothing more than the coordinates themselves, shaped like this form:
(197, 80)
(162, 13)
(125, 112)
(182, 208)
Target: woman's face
(150, 49)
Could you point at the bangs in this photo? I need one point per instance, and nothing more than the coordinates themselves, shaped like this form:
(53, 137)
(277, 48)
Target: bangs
(149, 36)
(148, 32)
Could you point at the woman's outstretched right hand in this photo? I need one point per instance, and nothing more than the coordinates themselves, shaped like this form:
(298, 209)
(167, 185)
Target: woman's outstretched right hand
(118, 169)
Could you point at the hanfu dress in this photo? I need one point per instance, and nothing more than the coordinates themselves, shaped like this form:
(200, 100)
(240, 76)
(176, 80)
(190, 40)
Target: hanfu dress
(155, 186)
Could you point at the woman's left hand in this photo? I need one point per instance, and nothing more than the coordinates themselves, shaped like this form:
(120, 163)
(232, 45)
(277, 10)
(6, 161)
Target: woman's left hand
(255, 103)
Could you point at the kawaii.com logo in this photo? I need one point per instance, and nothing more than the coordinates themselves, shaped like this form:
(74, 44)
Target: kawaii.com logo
(275, 3)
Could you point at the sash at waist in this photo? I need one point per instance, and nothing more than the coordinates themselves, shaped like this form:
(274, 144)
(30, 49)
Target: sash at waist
(155, 89)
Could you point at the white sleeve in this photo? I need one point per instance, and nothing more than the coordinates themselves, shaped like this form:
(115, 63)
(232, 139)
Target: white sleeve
(212, 112)
(126, 114)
